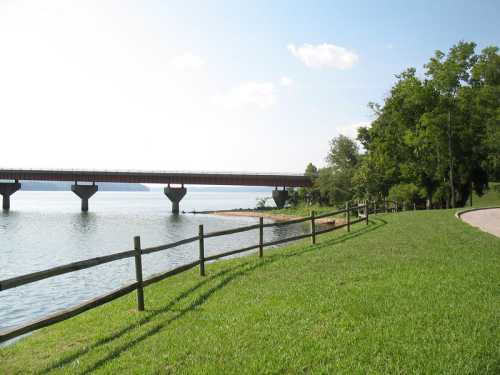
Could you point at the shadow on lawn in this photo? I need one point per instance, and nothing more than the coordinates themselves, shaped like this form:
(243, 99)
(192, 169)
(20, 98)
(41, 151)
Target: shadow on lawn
(226, 275)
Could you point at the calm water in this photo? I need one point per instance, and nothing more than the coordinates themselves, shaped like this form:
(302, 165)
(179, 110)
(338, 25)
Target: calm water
(46, 229)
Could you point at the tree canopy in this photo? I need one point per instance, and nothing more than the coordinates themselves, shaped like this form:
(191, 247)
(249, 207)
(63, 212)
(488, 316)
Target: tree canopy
(433, 140)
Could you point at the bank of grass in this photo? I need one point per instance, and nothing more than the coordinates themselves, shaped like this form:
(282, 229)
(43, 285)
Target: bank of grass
(302, 210)
(490, 198)
(411, 293)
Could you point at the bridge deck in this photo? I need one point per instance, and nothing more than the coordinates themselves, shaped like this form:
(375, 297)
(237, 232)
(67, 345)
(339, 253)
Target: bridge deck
(153, 177)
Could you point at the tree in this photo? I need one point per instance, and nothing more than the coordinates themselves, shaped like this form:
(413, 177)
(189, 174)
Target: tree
(447, 77)
(485, 81)
(436, 136)
(343, 154)
(310, 195)
(261, 202)
(404, 193)
(335, 181)
(444, 129)
(396, 147)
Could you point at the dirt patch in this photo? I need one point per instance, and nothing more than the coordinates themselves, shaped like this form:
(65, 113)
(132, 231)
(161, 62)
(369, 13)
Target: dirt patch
(277, 217)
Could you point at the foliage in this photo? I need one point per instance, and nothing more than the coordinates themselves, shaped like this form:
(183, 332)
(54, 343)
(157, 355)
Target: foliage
(261, 202)
(308, 195)
(335, 180)
(439, 134)
(404, 193)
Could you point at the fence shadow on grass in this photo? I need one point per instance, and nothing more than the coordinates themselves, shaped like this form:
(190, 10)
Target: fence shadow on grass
(374, 224)
(227, 275)
(151, 314)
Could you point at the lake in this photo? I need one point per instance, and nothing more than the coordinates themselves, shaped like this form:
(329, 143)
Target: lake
(47, 229)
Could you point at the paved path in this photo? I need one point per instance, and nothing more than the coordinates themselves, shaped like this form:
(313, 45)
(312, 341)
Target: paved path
(487, 220)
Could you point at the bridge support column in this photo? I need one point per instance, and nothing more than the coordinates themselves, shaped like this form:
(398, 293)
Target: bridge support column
(84, 192)
(175, 195)
(7, 189)
(280, 197)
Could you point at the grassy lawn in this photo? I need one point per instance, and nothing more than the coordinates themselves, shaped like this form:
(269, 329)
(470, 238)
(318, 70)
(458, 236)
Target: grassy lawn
(411, 293)
(303, 210)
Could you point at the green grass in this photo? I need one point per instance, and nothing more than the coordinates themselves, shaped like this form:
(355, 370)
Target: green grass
(411, 293)
(302, 210)
(490, 198)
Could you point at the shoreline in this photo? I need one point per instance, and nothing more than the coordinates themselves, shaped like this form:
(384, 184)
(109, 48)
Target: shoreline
(268, 215)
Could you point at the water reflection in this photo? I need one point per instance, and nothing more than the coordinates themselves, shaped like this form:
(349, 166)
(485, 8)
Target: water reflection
(83, 222)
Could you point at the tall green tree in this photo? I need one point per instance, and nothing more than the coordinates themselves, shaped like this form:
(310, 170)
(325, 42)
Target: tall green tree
(335, 181)
(485, 81)
(440, 133)
(310, 195)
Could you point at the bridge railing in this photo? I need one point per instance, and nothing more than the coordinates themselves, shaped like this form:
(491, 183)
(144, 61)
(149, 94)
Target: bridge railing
(363, 213)
(180, 171)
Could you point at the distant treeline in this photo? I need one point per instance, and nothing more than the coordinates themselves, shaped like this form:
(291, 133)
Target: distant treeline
(223, 189)
(66, 186)
(433, 141)
(109, 186)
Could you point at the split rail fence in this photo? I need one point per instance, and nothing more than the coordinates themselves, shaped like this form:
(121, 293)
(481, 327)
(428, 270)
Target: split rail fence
(363, 211)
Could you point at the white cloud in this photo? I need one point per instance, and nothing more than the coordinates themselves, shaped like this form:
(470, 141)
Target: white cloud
(286, 81)
(249, 94)
(324, 55)
(188, 61)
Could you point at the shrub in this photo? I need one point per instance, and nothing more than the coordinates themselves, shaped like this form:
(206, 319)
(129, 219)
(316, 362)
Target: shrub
(404, 193)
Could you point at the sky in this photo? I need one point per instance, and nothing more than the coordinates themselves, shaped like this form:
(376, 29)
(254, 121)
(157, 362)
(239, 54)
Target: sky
(252, 86)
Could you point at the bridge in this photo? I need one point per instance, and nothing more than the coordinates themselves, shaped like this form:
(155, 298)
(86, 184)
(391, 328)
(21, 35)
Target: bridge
(85, 182)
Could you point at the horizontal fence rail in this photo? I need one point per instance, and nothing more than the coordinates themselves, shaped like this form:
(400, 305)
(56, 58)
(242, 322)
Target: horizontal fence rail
(363, 211)
(60, 270)
(327, 214)
(232, 252)
(232, 231)
(287, 222)
(66, 314)
(150, 250)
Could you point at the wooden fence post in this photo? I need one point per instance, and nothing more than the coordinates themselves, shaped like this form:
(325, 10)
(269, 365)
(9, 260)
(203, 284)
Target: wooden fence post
(202, 250)
(374, 207)
(261, 237)
(348, 214)
(313, 229)
(138, 273)
(366, 212)
(385, 205)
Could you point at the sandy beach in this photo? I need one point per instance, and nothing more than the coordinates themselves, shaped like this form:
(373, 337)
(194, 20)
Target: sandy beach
(275, 216)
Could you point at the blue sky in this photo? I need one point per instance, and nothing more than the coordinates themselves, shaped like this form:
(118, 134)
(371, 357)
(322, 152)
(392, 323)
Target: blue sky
(209, 85)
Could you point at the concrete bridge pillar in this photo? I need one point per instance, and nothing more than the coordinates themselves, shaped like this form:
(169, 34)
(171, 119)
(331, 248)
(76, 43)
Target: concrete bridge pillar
(280, 197)
(7, 189)
(84, 192)
(175, 194)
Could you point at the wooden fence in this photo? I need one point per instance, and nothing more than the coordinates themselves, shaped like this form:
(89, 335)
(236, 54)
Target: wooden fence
(363, 213)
